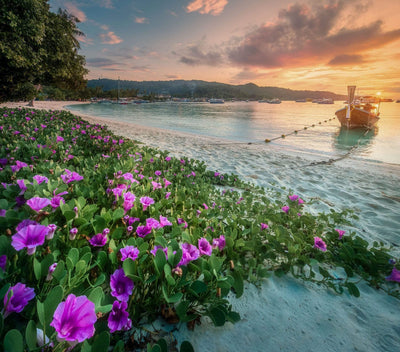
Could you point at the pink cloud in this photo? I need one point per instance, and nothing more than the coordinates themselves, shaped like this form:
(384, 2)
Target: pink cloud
(212, 7)
(73, 10)
(141, 20)
(110, 38)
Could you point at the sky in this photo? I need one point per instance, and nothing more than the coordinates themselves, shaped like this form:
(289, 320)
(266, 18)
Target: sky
(303, 44)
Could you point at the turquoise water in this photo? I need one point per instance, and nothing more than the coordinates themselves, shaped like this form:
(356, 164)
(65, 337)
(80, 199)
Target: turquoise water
(253, 122)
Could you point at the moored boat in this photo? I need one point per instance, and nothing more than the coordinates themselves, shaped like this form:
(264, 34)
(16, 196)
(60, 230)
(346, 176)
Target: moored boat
(357, 114)
(217, 101)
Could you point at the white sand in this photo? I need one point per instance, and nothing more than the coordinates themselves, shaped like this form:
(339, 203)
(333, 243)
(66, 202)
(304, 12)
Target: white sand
(285, 314)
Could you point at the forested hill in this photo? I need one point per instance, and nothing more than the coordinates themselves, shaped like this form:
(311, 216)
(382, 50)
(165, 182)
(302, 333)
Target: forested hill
(200, 89)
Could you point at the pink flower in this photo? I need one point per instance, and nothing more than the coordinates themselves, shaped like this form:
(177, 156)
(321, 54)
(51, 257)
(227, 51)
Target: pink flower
(394, 275)
(319, 244)
(29, 237)
(129, 252)
(37, 203)
(263, 226)
(146, 202)
(153, 223)
(98, 240)
(340, 232)
(20, 296)
(164, 221)
(204, 246)
(286, 209)
(294, 197)
(143, 231)
(219, 242)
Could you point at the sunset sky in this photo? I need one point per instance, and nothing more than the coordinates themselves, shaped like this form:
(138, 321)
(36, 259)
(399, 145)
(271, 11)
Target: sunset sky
(304, 44)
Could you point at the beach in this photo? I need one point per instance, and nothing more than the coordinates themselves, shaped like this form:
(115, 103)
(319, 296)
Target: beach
(286, 314)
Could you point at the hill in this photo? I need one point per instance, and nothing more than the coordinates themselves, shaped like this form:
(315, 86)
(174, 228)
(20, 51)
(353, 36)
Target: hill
(201, 89)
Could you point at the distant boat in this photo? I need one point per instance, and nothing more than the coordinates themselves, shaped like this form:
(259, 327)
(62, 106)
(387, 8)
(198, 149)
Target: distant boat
(326, 101)
(357, 114)
(398, 101)
(301, 101)
(270, 101)
(217, 101)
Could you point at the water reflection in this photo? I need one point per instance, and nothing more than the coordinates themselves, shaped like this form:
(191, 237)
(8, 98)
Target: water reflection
(346, 139)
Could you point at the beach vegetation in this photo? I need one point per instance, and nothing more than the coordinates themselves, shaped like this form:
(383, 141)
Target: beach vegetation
(38, 47)
(101, 235)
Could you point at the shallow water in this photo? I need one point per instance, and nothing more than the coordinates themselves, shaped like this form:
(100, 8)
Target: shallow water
(254, 122)
(334, 168)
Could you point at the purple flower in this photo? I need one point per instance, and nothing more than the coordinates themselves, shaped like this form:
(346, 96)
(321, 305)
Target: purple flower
(204, 246)
(121, 285)
(71, 176)
(300, 201)
(56, 201)
(156, 185)
(29, 237)
(319, 244)
(98, 240)
(156, 248)
(24, 223)
(129, 252)
(164, 221)
(294, 197)
(157, 173)
(119, 317)
(219, 242)
(22, 186)
(181, 221)
(263, 226)
(52, 267)
(167, 195)
(3, 262)
(20, 296)
(132, 220)
(166, 183)
(37, 203)
(3, 213)
(39, 179)
(153, 223)
(394, 275)
(74, 319)
(72, 233)
(189, 253)
(340, 232)
(60, 139)
(52, 229)
(143, 231)
(129, 200)
(146, 201)
(286, 209)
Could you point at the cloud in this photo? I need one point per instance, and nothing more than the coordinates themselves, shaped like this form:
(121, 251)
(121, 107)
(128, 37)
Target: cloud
(249, 75)
(346, 60)
(212, 7)
(307, 35)
(110, 38)
(172, 76)
(107, 4)
(73, 10)
(143, 68)
(195, 56)
(103, 63)
(141, 20)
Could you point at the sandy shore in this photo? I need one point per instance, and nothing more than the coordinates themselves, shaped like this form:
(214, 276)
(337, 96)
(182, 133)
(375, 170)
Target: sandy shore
(286, 314)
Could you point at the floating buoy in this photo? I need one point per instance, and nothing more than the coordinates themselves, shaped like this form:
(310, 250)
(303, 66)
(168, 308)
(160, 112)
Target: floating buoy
(267, 140)
(319, 122)
(312, 125)
(305, 128)
(283, 136)
(295, 131)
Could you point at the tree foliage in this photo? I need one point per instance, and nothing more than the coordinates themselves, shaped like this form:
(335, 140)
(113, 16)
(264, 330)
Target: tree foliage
(37, 47)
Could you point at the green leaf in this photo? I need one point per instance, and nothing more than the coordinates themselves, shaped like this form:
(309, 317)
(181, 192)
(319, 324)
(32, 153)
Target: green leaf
(217, 315)
(96, 296)
(40, 312)
(156, 348)
(353, 289)
(53, 299)
(37, 269)
(171, 299)
(117, 233)
(186, 346)
(233, 317)
(31, 335)
(199, 287)
(216, 263)
(118, 214)
(119, 346)
(73, 254)
(101, 342)
(324, 272)
(129, 267)
(163, 345)
(160, 260)
(238, 285)
(13, 341)
(69, 215)
(59, 272)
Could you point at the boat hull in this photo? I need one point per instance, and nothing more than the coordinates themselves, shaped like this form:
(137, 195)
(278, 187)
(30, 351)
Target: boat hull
(358, 118)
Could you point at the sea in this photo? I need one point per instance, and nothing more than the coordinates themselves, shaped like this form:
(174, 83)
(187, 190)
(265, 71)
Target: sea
(289, 148)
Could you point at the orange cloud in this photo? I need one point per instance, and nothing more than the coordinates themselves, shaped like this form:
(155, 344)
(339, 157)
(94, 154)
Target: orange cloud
(141, 20)
(212, 7)
(110, 38)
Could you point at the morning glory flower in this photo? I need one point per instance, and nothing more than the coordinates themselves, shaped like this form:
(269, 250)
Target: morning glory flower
(167, 195)
(153, 223)
(24, 223)
(121, 285)
(60, 139)
(29, 237)
(164, 221)
(21, 184)
(98, 240)
(3, 262)
(52, 267)
(129, 252)
(219, 242)
(20, 296)
(204, 246)
(157, 173)
(37, 203)
(189, 253)
(181, 221)
(74, 319)
(72, 233)
(156, 248)
(52, 229)
(146, 202)
(69, 176)
(143, 231)
(394, 275)
(286, 209)
(340, 232)
(119, 317)
(39, 179)
(263, 226)
(319, 244)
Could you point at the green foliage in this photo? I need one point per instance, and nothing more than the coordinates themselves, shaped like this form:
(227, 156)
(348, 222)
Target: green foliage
(168, 281)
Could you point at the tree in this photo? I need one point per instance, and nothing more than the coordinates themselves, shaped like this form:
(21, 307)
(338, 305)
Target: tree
(37, 47)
